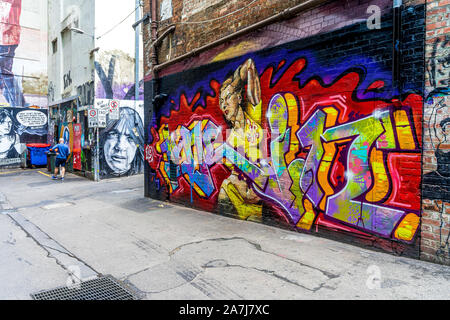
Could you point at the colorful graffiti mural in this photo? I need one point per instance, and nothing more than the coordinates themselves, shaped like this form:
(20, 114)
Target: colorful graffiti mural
(264, 147)
(309, 131)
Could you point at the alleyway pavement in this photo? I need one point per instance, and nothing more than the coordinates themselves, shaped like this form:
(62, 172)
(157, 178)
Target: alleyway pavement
(49, 228)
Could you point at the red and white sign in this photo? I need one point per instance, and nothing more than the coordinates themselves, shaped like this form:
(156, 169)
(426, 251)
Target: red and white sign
(92, 117)
(114, 110)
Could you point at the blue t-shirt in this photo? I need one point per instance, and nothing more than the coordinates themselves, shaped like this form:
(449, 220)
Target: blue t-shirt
(62, 151)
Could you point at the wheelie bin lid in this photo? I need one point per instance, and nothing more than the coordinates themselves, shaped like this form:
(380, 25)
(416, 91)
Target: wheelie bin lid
(38, 145)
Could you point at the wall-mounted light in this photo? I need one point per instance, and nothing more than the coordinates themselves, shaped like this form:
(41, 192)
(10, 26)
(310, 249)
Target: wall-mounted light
(77, 30)
(94, 50)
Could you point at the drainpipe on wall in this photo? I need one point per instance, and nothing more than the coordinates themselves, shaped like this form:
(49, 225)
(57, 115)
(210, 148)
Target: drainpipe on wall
(396, 46)
(154, 55)
(154, 31)
(136, 50)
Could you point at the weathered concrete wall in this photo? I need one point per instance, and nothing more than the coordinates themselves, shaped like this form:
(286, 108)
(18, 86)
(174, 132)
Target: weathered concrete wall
(71, 66)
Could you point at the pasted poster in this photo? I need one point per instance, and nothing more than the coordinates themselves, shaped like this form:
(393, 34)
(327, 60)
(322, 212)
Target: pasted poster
(66, 129)
(77, 146)
(18, 127)
(122, 140)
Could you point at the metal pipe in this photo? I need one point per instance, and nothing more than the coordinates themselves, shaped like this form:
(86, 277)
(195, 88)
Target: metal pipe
(396, 43)
(168, 30)
(97, 157)
(285, 14)
(136, 49)
(154, 30)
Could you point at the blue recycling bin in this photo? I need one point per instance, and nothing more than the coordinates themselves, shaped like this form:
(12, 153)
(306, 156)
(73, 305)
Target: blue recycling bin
(38, 154)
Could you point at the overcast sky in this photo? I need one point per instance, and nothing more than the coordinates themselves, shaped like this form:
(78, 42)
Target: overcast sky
(108, 14)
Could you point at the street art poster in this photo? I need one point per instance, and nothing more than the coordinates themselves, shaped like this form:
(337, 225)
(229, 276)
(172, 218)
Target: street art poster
(23, 80)
(18, 127)
(77, 146)
(122, 140)
(289, 135)
(66, 133)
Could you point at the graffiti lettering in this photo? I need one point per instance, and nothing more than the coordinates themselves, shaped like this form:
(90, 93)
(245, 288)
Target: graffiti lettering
(306, 160)
(67, 80)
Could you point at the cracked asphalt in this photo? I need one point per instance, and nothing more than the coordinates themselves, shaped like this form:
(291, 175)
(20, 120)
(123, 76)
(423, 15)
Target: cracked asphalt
(163, 251)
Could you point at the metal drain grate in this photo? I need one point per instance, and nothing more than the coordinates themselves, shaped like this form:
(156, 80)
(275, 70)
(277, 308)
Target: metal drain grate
(102, 288)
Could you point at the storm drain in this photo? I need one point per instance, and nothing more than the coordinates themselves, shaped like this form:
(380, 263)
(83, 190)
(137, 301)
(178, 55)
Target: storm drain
(102, 288)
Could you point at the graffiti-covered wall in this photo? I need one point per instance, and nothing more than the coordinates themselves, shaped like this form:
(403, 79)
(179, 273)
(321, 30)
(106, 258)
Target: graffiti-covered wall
(314, 134)
(23, 53)
(436, 151)
(18, 127)
(122, 141)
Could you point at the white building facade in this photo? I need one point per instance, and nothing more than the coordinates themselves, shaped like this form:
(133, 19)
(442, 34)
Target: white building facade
(91, 56)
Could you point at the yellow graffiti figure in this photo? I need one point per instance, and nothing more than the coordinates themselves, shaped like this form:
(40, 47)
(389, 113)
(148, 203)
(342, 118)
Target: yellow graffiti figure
(244, 118)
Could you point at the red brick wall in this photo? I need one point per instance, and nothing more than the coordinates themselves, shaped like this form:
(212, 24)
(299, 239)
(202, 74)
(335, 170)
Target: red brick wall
(189, 36)
(436, 197)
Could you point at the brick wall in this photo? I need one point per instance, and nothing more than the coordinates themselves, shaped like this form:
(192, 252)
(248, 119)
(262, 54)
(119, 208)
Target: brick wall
(436, 179)
(190, 35)
(335, 43)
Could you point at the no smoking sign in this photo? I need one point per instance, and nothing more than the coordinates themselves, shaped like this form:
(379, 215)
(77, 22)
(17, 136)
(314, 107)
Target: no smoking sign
(114, 105)
(114, 110)
(92, 117)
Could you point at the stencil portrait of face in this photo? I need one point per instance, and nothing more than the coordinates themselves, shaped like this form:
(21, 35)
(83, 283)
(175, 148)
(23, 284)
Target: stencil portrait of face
(7, 136)
(123, 143)
(119, 149)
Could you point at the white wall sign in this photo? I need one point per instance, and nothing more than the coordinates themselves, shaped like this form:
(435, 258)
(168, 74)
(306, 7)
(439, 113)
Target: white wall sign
(102, 117)
(114, 106)
(92, 117)
(31, 118)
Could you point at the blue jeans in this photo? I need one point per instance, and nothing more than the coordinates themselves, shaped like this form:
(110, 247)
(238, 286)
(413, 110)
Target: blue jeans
(8, 82)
